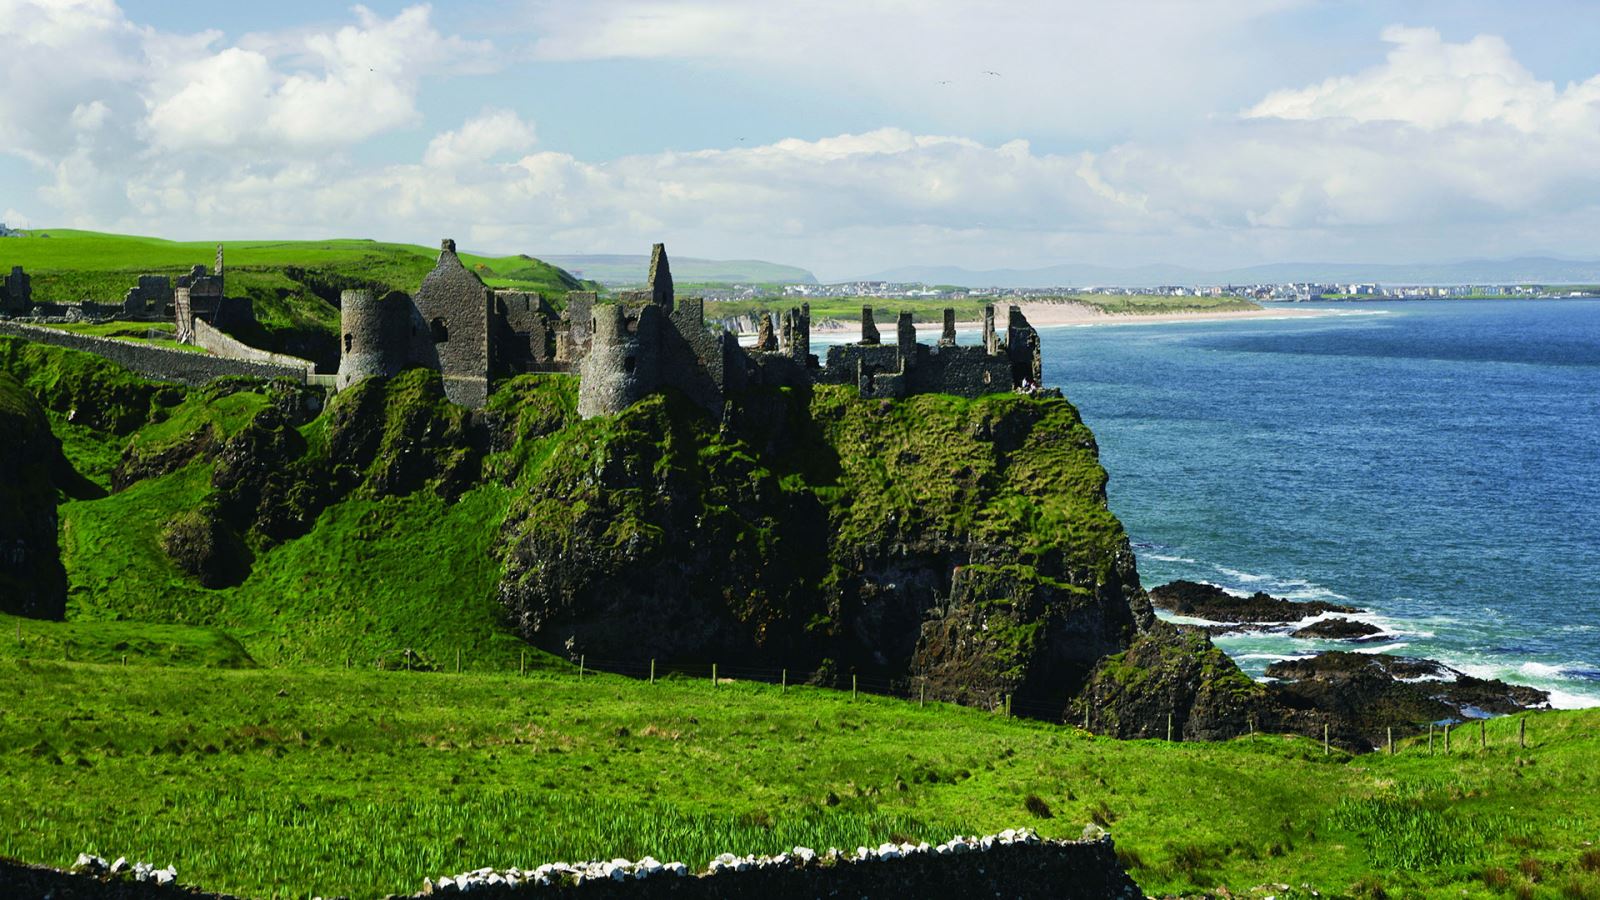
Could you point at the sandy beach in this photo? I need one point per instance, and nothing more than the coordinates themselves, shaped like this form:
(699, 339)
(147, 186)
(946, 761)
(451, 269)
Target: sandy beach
(1043, 315)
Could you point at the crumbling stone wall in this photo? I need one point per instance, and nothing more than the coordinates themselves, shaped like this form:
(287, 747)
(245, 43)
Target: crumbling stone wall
(148, 300)
(223, 344)
(908, 367)
(159, 363)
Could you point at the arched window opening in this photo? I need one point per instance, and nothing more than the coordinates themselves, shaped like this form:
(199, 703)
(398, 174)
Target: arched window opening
(349, 341)
(441, 333)
(627, 364)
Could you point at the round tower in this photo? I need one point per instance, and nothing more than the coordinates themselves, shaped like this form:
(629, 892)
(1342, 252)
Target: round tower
(372, 336)
(622, 363)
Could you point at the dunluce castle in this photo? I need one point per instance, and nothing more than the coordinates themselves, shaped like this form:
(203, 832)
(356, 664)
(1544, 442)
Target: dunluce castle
(622, 350)
(651, 340)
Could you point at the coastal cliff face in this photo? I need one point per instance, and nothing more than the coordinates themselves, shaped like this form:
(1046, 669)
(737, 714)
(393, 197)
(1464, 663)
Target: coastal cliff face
(964, 543)
(32, 581)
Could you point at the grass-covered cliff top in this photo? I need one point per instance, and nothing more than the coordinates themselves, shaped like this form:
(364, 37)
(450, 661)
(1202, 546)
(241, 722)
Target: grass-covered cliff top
(289, 281)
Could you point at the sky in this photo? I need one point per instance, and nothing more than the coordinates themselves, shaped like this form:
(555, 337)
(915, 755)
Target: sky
(845, 136)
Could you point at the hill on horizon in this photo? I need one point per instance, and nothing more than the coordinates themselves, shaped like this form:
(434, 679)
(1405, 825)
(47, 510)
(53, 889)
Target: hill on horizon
(1521, 270)
(626, 268)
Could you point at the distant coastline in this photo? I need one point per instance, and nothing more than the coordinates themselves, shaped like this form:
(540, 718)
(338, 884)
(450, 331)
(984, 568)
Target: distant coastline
(1045, 315)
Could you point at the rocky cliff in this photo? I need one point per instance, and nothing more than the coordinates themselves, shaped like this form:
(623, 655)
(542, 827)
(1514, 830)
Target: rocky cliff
(33, 473)
(965, 543)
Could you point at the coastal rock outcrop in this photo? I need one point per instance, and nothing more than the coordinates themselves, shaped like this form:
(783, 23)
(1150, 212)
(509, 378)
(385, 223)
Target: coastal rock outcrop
(1375, 691)
(1207, 601)
(1337, 629)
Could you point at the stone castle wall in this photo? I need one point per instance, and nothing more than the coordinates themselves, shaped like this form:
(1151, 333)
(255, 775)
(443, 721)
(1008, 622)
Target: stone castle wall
(223, 344)
(159, 363)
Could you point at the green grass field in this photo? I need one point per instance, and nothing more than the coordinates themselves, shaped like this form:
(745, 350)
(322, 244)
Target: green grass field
(292, 283)
(294, 782)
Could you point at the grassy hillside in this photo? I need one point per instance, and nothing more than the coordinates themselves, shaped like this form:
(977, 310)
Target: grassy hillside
(630, 269)
(396, 776)
(294, 284)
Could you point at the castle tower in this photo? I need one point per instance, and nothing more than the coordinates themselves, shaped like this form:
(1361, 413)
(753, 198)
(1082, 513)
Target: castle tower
(623, 364)
(660, 284)
(372, 335)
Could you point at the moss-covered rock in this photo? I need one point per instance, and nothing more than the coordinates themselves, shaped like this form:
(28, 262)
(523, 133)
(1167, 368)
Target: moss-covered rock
(963, 543)
(32, 581)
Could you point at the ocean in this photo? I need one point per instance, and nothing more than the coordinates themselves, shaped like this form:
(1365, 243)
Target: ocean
(1436, 463)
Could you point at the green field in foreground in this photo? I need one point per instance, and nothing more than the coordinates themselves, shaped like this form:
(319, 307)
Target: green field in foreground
(970, 309)
(294, 782)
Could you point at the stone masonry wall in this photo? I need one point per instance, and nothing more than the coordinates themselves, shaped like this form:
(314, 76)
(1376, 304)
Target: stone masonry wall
(159, 363)
(223, 344)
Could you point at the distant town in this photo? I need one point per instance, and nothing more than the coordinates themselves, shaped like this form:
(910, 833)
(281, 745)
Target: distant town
(1298, 292)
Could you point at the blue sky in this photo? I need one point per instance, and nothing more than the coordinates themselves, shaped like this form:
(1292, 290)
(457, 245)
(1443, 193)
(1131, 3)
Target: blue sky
(842, 136)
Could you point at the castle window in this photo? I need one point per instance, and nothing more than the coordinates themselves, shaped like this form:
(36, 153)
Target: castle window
(441, 333)
(349, 341)
(627, 364)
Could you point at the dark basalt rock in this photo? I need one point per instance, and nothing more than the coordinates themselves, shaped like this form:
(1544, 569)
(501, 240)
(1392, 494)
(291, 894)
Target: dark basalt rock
(1338, 629)
(1206, 601)
(1374, 691)
(32, 469)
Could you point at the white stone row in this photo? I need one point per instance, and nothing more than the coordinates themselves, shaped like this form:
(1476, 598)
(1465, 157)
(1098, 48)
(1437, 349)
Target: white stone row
(89, 864)
(551, 874)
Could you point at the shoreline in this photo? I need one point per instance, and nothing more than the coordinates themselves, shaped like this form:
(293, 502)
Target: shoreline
(1047, 315)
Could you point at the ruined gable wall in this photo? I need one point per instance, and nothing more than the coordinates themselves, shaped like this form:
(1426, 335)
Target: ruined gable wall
(692, 356)
(454, 307)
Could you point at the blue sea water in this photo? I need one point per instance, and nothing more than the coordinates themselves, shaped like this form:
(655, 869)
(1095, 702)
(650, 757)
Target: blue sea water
(1437, 463)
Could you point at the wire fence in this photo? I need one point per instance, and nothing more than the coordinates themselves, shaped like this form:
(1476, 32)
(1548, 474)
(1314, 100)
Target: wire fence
(1445, 737)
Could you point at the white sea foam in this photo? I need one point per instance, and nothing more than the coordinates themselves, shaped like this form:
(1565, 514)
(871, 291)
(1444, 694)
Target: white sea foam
(1166, 558)
(1385, 648)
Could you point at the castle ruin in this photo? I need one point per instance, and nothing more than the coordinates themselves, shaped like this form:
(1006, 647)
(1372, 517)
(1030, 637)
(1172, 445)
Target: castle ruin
(16, 293)
(649, 341)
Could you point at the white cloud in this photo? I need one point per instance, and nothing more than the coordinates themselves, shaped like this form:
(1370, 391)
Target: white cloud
(323, 91)
(1434, 84)
(1088, 67)
(488, 136)
(1442, 149)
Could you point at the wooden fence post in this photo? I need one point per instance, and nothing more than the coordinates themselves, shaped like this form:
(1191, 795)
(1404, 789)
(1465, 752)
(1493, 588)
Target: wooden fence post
(124, 660)
(582, 663)
(783, 684)
(922, 694)
(458, 660)
(1390, 731)
(1430, 738)
(1169, 726)
(1522, 733)
(1008, 704)
(522, 664)
(1325, 750)
(1447, 737)
(852, 687)
(1086, 714)
(1483, 735)
(652, 670)
(713, 674)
